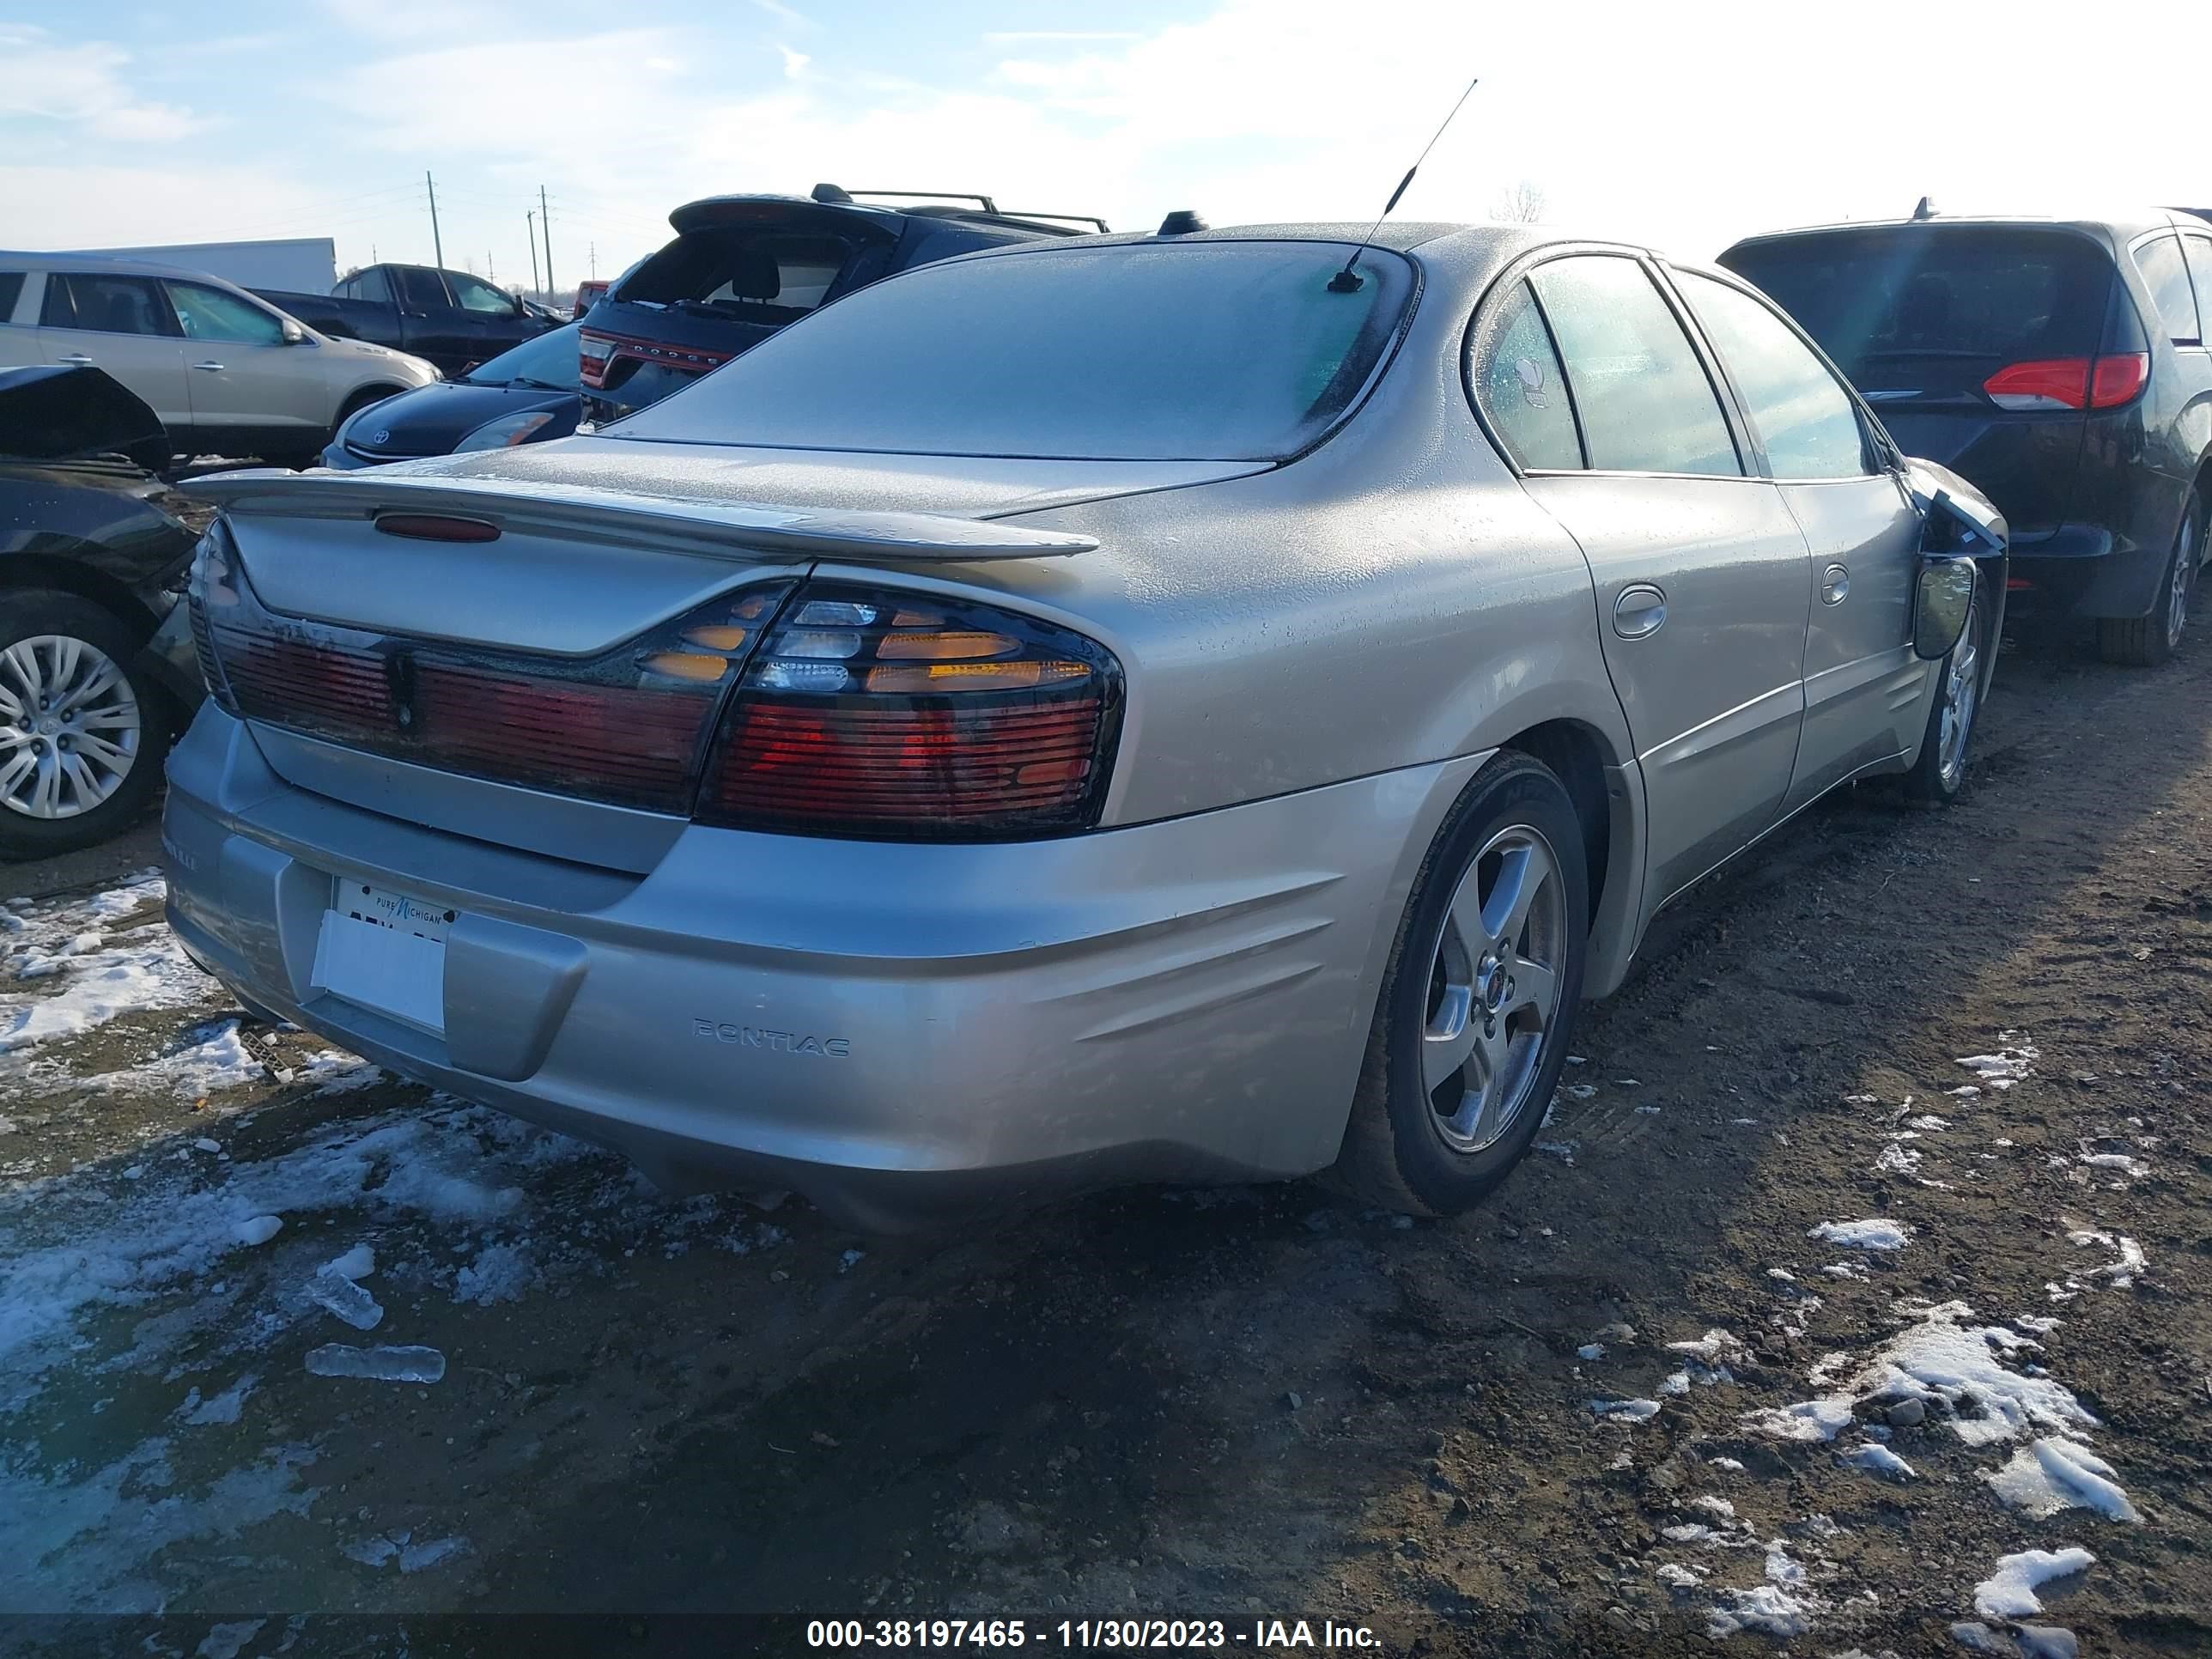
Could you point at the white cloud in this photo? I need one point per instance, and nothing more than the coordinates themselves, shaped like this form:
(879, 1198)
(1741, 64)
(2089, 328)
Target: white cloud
(82, 84)
(794, 64)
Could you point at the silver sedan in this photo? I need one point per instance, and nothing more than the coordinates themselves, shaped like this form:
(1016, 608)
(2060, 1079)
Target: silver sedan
(1191, 707)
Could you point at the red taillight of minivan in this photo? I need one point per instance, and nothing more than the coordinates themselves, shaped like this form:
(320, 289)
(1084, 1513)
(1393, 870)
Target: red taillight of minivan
(883, 716)
(2077, 383)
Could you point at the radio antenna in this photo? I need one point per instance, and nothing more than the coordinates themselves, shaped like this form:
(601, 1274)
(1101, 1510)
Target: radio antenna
(1349, 281)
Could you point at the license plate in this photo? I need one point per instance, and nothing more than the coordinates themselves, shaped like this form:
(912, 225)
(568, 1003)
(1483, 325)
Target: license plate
(384, 950)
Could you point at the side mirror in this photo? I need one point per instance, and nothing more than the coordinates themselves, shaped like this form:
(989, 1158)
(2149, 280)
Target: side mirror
(1942, 605)
(294, 334)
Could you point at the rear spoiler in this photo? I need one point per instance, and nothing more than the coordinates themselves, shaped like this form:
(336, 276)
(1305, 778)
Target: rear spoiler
(733, 529)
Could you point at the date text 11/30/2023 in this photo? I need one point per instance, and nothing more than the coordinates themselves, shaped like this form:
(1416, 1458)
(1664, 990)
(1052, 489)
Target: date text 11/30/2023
(1253, 1636)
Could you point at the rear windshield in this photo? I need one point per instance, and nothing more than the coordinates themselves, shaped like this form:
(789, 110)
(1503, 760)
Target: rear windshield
(1936, 291)
(747, 276)
(1200, 351)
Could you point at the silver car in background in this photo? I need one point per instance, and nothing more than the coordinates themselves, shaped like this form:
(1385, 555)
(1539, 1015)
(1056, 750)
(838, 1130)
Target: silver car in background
(1191, 707)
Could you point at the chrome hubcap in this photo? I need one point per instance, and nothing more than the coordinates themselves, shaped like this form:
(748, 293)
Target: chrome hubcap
(1962, 690)
(69, 727)
(1493, 989)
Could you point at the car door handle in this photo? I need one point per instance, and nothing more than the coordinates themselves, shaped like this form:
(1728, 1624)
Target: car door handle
(1835, 583)
(78, 358)
(212, 369)
(1638, 611)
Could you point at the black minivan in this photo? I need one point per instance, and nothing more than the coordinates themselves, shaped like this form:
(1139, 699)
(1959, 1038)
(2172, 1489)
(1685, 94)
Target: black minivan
(2061, 365)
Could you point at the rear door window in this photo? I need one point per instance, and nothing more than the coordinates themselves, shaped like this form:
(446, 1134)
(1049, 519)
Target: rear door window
(1515, 376)
(1645, 401)
(2159, 260)
(104, 304)
(421, 290)
(11, 290)
(1933, 310)
(1806, 420)
(371, 285)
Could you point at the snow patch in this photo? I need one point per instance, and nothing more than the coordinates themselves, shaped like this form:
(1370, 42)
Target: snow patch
(2009, 1592)
(1877, 1459)
(2007, 1066)
(1783, 1605)
(1877, 1234)
(2057, 1473)
(1624, 1411)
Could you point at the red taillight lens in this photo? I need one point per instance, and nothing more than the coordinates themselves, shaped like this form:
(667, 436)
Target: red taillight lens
(2070, 382)
(902, 716)
(2056, 383)
(592, 352)
(2117, 379)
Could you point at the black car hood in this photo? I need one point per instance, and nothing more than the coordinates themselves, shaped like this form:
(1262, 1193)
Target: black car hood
(430, 420)
(57, 413)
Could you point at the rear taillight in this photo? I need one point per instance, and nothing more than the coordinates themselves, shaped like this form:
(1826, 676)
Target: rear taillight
(2103, 382)
(873, 714)
(592, 352)
(2118, 379)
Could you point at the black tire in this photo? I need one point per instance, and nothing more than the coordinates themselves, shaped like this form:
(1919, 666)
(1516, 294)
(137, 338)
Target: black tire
(1397, 1153)
(1931, 782)
(39, 613)
(2146, 641)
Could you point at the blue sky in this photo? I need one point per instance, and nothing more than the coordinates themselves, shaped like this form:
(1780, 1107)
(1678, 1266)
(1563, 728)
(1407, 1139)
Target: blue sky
(1686, 125)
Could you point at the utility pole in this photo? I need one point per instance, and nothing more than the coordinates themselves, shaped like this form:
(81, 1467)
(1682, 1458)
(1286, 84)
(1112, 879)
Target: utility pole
(545, 227)
(491, 270)
(436, 245)
(530, 235)
(595, 262)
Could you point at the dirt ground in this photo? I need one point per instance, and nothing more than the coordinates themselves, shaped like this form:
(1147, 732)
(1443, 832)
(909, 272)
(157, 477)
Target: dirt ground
(1246, 1404)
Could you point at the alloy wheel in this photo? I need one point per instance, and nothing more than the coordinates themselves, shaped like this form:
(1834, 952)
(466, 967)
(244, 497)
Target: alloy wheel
(2177, 596)
(1494, 989)
(1962, 695)
(71, 726)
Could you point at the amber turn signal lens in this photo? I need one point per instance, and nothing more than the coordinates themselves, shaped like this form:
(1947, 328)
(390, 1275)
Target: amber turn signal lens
(687, 665)
(716, 639)
(946, 648)
(974, 676)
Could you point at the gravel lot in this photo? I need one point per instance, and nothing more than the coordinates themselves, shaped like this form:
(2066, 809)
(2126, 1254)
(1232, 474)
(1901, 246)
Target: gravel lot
(1484, 1437)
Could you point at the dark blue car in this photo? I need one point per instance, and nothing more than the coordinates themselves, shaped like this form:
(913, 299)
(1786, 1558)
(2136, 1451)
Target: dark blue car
(523, 395)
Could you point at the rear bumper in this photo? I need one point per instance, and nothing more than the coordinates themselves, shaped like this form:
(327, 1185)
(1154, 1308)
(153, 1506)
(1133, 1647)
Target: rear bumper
(2082, 570)
(891, 1029)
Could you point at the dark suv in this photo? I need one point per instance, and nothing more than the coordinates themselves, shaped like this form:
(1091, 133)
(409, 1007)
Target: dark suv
(742, 267)
(2061, 365)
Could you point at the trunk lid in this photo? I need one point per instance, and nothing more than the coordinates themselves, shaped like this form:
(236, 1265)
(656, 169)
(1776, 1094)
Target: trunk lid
(600, 539)
(504, 619)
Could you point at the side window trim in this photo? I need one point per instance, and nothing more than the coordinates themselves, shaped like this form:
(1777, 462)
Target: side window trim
(1566, 381)
(1723, 395)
